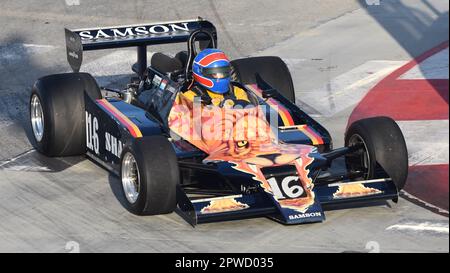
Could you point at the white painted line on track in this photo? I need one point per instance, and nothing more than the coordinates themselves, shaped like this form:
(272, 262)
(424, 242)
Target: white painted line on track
(349, 88)
(427, 141)
(72, 2)
(5, 123)
(38, 46)
(3, 163)
(25, 168)
(292, 62)
(418, 227)
(13, 52)
(433, 68)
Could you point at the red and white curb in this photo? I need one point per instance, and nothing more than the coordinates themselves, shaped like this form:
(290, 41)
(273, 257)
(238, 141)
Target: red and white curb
(416, 96)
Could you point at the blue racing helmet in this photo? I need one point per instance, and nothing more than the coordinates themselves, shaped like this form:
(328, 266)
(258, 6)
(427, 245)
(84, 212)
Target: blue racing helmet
(211, 69)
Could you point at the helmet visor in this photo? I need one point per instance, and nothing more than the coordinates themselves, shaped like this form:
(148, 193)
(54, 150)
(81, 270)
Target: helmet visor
(217, 72)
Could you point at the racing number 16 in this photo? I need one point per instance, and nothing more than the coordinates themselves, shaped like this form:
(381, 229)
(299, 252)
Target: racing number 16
(92, 141)
(286, 189)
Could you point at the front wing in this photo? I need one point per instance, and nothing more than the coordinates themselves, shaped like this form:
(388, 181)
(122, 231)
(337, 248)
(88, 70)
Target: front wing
(265, 204)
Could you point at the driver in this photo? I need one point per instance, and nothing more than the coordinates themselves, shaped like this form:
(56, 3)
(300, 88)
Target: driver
(212, 74)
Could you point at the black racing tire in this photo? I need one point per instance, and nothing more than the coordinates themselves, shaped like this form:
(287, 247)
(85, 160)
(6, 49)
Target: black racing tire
(182, 56)
(158, 175)
(272, 69)
(385, 145)
(61, 97)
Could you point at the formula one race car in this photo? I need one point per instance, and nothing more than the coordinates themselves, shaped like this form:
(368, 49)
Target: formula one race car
(156, 141)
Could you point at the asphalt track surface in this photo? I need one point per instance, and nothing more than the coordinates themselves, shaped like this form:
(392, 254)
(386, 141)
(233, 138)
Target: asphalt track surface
(337, 53)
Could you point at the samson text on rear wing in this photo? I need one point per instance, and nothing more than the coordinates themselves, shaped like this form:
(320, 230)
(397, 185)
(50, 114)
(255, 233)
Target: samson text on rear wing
(79, 40)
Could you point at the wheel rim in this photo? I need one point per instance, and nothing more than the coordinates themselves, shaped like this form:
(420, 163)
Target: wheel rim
(130, 178)
(362, 157)
(37, 118)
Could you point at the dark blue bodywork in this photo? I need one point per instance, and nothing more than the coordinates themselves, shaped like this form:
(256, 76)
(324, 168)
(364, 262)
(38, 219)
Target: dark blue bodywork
(149, 113)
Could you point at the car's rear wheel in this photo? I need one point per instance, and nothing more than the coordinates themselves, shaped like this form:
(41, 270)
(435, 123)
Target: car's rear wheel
(382, 145)
(271, 69)
(57, 113)
(149, 176)
(37, 117)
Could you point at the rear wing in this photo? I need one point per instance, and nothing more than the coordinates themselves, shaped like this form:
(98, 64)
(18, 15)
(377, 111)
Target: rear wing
(79, 40)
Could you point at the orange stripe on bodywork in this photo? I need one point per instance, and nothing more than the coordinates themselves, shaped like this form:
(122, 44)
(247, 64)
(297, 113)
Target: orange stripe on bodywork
(132, 128)
(315, 138)
(282, 111)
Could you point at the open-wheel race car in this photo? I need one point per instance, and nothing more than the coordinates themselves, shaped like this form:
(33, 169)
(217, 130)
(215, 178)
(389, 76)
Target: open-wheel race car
(156, 141)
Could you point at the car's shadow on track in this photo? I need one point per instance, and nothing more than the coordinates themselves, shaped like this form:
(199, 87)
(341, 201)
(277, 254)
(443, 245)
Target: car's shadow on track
(116, 188)
(114, 183)
(357, 205)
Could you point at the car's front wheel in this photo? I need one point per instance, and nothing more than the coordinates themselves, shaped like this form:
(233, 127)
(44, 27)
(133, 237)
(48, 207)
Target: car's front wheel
(149, 175)
(382, 145)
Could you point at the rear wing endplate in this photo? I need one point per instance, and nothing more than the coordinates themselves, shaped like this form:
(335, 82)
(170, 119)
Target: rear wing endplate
(79, 40)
